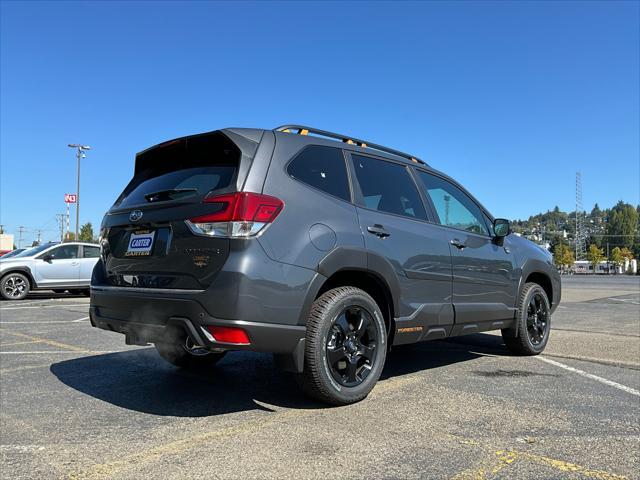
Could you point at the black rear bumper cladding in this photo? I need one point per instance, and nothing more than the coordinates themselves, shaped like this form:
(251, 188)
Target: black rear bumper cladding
(149, 318)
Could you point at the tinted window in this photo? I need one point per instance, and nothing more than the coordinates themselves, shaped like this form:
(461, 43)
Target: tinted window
(387, 187)
(182, 168)
(65, 252)
(180, 184)
(30, 252)
(90, 252)
(322, 168)
(489, 223)
(453, 206)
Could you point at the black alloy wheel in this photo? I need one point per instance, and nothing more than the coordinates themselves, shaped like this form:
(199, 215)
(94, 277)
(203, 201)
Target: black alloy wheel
(351, 346)
(345, 346)
(531, 328)
(537, 319)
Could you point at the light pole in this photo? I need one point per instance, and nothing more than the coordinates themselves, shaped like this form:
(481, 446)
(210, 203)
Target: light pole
(80, 149)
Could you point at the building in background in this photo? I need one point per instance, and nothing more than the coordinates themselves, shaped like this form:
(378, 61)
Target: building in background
(6, 242)
(604, 267)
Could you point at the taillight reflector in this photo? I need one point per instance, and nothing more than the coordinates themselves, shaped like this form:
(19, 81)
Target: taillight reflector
(228, 334)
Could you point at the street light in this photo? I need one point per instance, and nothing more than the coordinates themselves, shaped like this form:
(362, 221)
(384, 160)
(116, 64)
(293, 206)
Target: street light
(79, 154)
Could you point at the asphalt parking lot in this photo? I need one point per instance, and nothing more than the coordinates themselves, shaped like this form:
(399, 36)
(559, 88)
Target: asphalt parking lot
(75, 402)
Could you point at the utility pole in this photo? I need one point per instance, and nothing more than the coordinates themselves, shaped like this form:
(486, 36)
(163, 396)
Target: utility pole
(447, 199)
(581, 244)
(20, 230)
(60, 217)
(80, 149)
(39, 232)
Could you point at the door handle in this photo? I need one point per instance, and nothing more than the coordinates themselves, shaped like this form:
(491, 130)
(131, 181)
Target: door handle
(74, 264)
(378, 230)
(457, 243)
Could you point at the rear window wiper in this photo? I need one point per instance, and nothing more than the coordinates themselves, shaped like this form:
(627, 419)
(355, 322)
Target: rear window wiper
(171, 194)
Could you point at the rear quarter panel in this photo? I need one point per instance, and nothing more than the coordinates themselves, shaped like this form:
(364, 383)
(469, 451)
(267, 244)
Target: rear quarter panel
(312, 222)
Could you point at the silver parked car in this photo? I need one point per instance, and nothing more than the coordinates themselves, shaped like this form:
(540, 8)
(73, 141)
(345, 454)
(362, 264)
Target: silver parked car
(51, 266)
(12, 253)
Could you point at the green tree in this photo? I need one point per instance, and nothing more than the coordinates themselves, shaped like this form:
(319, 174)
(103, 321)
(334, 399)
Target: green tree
(563, 256)
(86, 232)
(616, 257)
(626, 253)
(595, 255)
(623, 225)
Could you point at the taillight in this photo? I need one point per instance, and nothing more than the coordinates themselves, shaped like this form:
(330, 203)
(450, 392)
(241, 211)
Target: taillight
(228, 334)
(241, 214)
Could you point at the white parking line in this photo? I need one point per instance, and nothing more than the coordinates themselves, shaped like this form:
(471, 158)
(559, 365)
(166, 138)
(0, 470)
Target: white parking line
(46, 352)
(46, 321)
(611, 383)
(21, 448)
(624, 300)
(2, 309)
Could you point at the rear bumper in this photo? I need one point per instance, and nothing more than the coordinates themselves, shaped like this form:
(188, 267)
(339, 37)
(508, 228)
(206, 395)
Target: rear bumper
(150, 317)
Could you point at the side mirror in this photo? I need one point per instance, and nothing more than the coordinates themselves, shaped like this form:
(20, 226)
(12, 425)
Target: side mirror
(501, 227)
(47, 258)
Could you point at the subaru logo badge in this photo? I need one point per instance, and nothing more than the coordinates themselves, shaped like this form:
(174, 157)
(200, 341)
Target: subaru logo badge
(135, 215)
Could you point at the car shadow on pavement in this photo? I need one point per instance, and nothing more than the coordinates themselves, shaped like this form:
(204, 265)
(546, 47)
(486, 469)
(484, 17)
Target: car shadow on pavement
(50, 295)
(412, 358)
(140, 380)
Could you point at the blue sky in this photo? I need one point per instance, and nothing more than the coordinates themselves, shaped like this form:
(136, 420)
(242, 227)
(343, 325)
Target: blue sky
(510, 98)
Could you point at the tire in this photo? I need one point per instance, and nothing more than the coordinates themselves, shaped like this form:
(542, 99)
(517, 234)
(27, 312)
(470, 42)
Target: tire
(533, 324)
(14, 286)
(182, 353)
(345, 335)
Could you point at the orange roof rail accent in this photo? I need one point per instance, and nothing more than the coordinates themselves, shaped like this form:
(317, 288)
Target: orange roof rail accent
(306, 130)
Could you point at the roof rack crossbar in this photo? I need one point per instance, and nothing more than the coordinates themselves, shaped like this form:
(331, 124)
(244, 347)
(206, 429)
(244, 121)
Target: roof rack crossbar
(304, 130)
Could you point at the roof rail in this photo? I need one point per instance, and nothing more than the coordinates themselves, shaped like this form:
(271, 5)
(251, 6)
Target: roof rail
(302, 130)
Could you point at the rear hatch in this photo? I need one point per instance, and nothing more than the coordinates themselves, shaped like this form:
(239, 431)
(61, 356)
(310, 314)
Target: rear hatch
(146, 242)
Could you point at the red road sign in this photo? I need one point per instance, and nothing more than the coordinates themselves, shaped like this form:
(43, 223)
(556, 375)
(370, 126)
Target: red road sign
(70, 198)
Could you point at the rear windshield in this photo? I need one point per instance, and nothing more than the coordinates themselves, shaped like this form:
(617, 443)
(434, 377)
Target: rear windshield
(185, 168)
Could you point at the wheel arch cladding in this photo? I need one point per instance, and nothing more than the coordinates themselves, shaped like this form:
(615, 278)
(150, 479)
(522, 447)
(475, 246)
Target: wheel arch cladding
(367, 281)
(24, 271)
(544, 281)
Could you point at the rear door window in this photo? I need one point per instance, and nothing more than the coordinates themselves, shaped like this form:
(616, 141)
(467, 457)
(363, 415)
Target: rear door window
(182, 169)
(90, 252)
(323, 168)
(388, 187)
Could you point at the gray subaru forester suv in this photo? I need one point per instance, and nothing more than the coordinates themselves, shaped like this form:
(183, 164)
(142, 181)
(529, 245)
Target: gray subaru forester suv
(323, 249)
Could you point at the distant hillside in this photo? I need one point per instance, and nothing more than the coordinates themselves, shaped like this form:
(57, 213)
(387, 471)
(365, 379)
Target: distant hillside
(618, 226)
